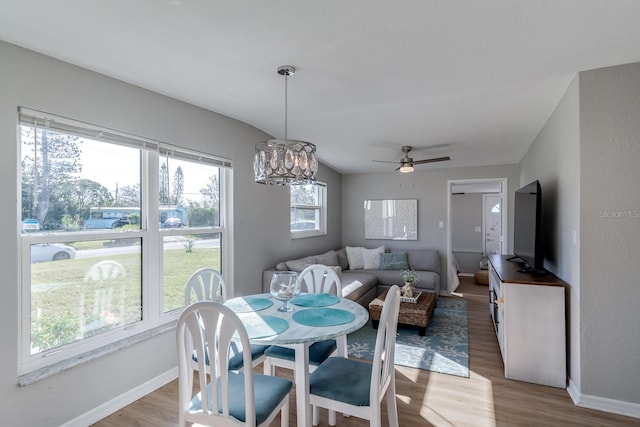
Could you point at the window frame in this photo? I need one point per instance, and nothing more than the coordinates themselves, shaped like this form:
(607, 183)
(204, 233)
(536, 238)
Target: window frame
(322, 209)
(153, 318)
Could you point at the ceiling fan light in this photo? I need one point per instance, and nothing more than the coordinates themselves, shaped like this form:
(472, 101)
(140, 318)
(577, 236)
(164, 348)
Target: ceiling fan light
(406, 168)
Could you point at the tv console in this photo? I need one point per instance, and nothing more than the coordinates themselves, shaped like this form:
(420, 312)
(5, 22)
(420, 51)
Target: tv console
(528, 314)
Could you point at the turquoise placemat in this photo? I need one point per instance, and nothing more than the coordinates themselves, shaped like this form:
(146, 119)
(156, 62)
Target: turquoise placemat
(248, 304)
(323, 317)
(264, 326)
(315, 300)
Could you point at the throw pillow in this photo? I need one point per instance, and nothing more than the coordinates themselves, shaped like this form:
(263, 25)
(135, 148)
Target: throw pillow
(327, 258)
(282, 266)
(354, 255)
(300, 264)
(343, 261)
(371, 257)
(394, 261)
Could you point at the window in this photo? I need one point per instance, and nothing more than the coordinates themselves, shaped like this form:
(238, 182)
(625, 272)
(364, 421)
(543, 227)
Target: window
(112, 226)
(308, 210)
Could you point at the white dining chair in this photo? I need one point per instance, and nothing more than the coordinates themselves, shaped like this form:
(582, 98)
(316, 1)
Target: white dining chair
(355, 387)
(207, 284)
(223, 397)
(316, 278)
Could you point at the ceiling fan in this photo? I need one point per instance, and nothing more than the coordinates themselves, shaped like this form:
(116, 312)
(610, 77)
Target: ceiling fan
(407, 163)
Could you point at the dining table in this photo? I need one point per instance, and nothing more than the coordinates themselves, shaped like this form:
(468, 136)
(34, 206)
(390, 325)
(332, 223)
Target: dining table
(315, 317)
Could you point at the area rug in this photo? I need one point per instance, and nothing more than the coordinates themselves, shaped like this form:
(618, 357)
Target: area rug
(443, 349)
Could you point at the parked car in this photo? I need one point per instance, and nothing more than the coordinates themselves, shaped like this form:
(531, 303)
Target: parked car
(120, 222)
(30, 225)
(172, 223)
(51, 252)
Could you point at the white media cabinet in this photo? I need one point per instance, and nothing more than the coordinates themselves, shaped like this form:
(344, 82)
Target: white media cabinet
(528, 312)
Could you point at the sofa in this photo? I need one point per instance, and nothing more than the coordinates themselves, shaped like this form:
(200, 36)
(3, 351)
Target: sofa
(363, 281)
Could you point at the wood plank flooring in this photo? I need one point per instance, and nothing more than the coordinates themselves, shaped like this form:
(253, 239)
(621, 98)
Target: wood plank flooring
(425, 398)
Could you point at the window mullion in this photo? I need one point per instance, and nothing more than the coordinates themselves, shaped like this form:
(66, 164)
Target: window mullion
(152, 244)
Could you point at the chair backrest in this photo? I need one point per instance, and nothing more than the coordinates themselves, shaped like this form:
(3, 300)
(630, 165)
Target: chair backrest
(319, 278)
(102, 298)
(205, 284)
(383, 369)
(208, 330)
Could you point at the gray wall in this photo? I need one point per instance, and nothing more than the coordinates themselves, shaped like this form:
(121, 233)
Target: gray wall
(610, 244)
(429, 186)
(466, 243)
(553, 159)
(587, 160)
(260, 220)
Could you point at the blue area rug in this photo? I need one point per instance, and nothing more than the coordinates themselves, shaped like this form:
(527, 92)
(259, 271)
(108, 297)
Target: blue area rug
(443, 349)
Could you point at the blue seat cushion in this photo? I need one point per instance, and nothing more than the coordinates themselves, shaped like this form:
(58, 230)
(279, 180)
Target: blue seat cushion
(318, 352)
(235, 359)
(344, 380)
(268, 391)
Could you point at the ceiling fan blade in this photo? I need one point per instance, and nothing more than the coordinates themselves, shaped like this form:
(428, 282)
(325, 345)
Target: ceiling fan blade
(384, 161)
(437, 159)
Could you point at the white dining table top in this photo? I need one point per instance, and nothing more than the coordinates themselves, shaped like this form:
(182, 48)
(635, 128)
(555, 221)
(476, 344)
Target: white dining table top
(296, 332)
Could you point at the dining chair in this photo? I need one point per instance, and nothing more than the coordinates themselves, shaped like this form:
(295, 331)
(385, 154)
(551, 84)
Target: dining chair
(355, 387)
(208, 330)
(207, 284)
(316, 278)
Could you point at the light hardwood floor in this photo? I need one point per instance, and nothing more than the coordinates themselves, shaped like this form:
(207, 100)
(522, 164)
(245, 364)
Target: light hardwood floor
(425, 398)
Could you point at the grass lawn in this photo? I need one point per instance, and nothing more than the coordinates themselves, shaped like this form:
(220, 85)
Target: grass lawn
(60, 289)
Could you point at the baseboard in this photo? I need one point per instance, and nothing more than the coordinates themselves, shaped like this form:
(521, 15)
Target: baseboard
(602, 404)
(119, 402)
(466, 274)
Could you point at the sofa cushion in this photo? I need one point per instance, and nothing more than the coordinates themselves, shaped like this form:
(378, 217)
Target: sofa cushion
(424, 260)
(354, 255)
(300, 264)
(327, 258)
(343, 261)
(371, 257)
(394, 261)
(357, 284)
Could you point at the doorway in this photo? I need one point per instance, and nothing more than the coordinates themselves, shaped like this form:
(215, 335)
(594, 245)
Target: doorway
(476, 225)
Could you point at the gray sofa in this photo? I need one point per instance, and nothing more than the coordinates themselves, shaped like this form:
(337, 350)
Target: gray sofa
(363, 285)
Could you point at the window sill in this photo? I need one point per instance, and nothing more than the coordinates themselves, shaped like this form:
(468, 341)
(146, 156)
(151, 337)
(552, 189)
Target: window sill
(64, 365)
(305, 234)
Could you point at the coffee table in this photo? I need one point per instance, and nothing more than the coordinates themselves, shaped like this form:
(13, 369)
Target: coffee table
(417, 314)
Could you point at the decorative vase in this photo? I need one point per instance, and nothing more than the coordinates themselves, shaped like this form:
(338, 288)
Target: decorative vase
(408, 289)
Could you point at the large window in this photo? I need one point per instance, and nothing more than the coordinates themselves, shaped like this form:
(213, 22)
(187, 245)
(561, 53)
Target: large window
(112, 226)
(308, 210)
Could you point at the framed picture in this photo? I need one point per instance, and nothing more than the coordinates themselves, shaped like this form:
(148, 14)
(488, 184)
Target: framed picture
(391, 219)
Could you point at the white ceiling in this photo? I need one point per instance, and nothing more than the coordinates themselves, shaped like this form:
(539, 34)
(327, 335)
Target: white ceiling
(475, 80)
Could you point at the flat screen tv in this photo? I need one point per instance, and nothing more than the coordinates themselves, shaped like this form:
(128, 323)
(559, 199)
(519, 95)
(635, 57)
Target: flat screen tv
(527, 233)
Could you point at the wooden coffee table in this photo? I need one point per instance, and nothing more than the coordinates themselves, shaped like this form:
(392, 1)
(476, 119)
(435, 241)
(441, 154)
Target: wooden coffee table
(417, 314)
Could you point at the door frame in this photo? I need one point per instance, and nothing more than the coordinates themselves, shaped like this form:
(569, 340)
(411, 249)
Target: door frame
(452, 281)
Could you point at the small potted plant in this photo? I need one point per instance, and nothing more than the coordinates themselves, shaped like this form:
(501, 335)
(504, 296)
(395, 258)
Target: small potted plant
(410, 278)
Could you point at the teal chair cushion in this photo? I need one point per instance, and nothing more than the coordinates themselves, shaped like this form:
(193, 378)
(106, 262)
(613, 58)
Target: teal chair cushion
(235, 361)
(318, 352)
(269, 392)
(344, 380)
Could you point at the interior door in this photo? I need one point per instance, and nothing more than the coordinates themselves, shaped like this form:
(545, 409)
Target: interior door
(492, 223)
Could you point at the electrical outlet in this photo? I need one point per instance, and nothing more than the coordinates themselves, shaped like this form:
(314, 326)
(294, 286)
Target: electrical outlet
(478, 229)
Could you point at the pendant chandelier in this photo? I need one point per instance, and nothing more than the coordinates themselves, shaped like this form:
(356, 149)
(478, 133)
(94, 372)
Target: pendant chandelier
(285, 161)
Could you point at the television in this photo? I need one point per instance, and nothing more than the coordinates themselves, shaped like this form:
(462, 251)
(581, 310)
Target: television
(527, 233)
